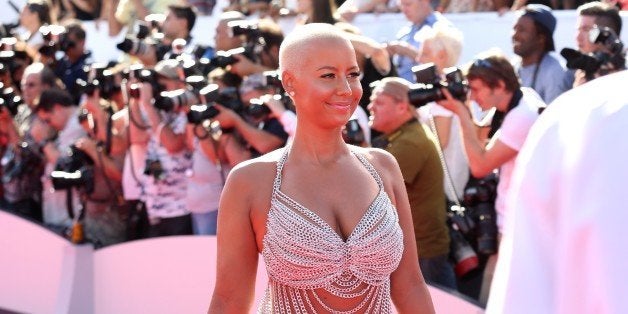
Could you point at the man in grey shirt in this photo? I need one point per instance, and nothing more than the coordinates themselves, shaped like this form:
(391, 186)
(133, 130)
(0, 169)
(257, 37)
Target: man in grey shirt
(538, 67)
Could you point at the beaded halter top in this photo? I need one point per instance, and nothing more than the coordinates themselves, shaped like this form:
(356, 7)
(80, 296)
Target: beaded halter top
(307, 261)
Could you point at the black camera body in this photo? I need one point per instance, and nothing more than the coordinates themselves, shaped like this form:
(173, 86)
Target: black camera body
(134, 46)
(98, 78)
(200, 113)
(602, 61)
(25, 158)
(222, 59)
(9, 100)
(74, 170)
(227, 97)
(352, 133)
(55, 39)
(429, 85)
(480, 199)
(154, 169)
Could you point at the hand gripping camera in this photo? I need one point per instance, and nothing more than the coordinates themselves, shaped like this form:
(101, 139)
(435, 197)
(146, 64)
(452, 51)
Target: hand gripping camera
(610, 57)
(74, 170)
(429, 85)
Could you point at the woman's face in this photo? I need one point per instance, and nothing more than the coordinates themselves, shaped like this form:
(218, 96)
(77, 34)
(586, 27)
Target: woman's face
(327, 86)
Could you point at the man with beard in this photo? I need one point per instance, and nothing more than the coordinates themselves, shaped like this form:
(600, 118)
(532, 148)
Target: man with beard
(538, 68)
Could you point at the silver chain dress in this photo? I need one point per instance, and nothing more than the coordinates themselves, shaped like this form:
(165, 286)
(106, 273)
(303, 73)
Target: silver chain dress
(308, 261)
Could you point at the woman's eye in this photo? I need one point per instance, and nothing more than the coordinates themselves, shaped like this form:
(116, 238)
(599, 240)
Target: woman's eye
(328, 75)
(354, 74)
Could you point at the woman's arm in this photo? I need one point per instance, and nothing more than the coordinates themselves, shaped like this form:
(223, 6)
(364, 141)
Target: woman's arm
(443, 126)
(237, 250)
(407, 287)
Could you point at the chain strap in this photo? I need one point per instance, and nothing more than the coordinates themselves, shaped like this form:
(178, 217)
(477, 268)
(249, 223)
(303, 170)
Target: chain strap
(443, 163)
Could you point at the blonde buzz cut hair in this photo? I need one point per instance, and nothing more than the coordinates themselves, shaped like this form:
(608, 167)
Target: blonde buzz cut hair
(295, 45)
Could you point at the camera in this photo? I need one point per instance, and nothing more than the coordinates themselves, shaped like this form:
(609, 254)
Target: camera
(99, 78)
(146, 34)
(202, 112)
(222, 59)
(352, 133)
(7, 61)
(55, 39)
(139, 73)
(429, 84)
(170, 100)
(227, 97)
(609, 58)
(154, 169)
(462, 253)
(257, 109)
(24, 158)
(134, 46)
(10, 100)
(74, 170)
(480, 197)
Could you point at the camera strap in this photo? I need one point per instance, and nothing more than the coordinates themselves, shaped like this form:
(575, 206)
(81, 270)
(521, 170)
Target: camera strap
(109, 134)
(443, 162)
(499, 116)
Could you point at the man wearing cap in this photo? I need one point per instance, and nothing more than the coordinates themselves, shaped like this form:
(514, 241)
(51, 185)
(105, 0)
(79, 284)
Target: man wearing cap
(167, 157)
(414, 148)
(532, 40)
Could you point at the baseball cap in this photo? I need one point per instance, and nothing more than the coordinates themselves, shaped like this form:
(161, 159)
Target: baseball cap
(542, 14)
(168, 68)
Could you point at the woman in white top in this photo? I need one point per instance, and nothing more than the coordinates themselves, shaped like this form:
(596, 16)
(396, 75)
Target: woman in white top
(331, 220)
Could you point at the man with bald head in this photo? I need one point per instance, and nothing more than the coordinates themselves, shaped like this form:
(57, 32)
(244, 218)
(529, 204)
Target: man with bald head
(319, 211)
(22, 193)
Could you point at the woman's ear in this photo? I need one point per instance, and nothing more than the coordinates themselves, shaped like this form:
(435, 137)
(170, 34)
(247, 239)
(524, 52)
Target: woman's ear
(287, 80)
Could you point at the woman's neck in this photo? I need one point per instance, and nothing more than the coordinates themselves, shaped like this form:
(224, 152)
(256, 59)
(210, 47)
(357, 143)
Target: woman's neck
(318, 147)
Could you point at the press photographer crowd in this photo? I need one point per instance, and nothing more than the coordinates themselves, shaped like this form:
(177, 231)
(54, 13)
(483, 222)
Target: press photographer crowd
(141, 147)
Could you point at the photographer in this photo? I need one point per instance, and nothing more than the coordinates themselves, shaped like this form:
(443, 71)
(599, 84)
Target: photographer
(106, 212)
(23, 163)
(246, 136)
(592, 17)
(57, 109)
(34, 14)
(70, 67)
(167, 157)
(176, 29)
(265, 39)
(493, 83)
(415, 151)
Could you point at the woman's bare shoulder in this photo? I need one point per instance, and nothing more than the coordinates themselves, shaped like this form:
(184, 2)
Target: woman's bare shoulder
(378, 157)
(257, 170)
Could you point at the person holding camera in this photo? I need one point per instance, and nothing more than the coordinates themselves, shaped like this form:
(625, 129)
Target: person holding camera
(178, 25)
(56, 108)
(167, 157)
(442, 47)
(23, 162)
(414, 149)
(597, 15)
(106, 212)
(70, 67)
(34, 14)
(493, 83)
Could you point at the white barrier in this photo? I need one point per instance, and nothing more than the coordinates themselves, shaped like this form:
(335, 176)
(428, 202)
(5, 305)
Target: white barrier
(42, 273)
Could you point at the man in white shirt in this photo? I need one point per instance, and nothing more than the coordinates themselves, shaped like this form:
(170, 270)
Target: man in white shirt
(563, 249)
